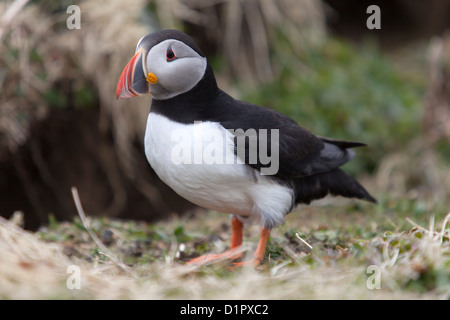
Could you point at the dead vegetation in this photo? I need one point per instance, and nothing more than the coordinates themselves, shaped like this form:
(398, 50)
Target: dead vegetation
(412, 265)
(60, 126)
(58, 94)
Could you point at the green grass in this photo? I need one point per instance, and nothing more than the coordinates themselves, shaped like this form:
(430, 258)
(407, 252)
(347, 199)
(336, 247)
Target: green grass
(333, 250)
(345, 241)
(347, 92)
(326, 251)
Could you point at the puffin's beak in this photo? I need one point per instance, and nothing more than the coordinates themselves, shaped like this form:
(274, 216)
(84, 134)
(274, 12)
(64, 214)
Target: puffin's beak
(133, 81)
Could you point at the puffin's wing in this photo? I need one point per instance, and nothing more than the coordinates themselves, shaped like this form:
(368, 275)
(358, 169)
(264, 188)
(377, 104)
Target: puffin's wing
(300, 153)
(334, 154)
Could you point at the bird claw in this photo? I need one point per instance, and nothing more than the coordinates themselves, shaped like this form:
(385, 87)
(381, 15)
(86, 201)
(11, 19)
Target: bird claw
(255, 262)
(214, 258)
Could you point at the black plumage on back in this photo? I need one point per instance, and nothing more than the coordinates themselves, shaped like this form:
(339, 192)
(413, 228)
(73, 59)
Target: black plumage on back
(308, 163)
(276, 163)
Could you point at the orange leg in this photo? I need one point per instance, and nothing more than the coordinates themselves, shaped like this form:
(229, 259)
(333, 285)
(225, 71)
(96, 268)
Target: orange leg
(260, 250)
(236, 241)
(237, 232)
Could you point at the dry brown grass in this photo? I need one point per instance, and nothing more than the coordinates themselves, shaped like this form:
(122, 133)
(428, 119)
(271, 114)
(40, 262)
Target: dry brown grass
(31, 268)
(41, 60)
(243, 31)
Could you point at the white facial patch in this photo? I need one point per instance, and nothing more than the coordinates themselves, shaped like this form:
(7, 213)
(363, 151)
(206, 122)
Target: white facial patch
(178, 75)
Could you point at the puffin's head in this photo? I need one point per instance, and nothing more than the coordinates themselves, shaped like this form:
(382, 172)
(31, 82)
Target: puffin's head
(166, 63)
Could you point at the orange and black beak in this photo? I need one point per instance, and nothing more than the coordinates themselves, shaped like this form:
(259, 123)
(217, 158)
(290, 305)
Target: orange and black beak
(134, 80)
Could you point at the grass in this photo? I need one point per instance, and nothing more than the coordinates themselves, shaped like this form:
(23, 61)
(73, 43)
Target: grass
(348, 92)
(329, 251)
(345, 244)
(338, 249)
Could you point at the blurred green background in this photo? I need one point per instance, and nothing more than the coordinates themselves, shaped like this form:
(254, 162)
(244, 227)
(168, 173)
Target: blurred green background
(316, 61)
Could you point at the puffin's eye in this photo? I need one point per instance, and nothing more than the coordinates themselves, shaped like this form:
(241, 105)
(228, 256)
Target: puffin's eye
(170, 55)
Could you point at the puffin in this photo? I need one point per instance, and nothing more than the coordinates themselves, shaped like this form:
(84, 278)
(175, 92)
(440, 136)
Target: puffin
(228, 155)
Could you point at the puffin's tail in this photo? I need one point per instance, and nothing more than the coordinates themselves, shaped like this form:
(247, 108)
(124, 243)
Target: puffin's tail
(335, 182)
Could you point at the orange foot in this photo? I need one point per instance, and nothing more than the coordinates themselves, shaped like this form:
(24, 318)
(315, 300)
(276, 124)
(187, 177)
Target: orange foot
(233, 255)
(252, 262)
(258, 257)
(236, 242)
(210, 258)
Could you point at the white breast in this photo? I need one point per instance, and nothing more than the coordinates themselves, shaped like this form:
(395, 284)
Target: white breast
(197, 161)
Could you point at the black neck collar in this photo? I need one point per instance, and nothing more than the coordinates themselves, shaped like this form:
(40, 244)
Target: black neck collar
(194, 105)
